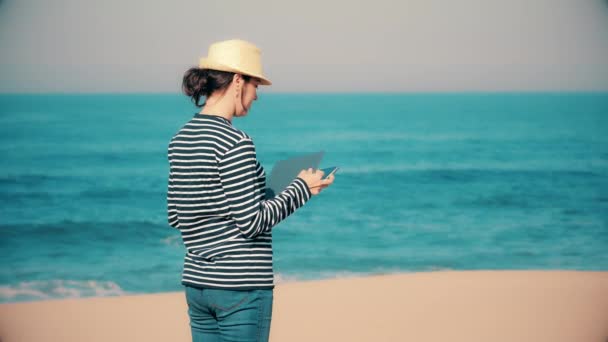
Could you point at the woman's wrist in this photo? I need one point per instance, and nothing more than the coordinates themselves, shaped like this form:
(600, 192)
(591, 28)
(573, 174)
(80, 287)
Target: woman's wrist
(306, 189)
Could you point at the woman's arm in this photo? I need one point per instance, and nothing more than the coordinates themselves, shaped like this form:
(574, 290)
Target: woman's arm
(253, 214)
(171, 208)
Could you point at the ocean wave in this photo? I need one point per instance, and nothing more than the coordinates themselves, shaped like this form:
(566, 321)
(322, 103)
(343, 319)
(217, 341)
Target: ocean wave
(318, 275)
(173, 240)
(68, 225)
(469, 167)
(93, 194)
(59, 288)
(367, 136)
(30, 179)
(476, 137)
(114, 193)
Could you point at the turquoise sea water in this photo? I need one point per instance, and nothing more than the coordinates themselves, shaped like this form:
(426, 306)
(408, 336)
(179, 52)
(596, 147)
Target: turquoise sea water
(427, 182)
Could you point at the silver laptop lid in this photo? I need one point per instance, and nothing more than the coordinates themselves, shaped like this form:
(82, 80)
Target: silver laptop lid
(285, 171)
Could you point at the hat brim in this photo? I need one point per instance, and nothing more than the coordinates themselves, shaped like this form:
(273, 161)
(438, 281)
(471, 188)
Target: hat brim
(207, 64)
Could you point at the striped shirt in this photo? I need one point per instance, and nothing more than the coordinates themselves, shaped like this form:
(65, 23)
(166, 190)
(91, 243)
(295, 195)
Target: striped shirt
(216, 198)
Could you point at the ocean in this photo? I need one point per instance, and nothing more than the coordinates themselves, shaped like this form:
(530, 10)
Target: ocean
(427, 182)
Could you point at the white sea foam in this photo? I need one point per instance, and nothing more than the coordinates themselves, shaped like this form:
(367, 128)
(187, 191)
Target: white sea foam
(172, 240)
(59, 288)
(323, 275)
(280, 278)
(438, 268)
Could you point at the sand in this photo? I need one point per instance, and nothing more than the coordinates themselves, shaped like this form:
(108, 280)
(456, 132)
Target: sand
(430, 306)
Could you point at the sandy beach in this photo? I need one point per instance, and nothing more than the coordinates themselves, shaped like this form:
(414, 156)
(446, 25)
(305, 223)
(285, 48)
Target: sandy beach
(429, 306)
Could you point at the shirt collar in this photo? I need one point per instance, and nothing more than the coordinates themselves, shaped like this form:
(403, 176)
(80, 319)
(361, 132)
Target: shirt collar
(213, 117)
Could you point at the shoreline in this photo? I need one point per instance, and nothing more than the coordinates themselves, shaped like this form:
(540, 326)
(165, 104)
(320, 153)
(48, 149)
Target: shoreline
(479, 305)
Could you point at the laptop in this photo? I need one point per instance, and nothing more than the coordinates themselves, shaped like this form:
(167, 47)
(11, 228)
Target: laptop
(285, 171)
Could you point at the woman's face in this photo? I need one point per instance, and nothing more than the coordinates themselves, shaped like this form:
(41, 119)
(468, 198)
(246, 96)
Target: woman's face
(247, 93)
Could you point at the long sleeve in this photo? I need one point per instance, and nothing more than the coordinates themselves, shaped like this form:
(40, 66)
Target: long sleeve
(171, 208)
(253, 214)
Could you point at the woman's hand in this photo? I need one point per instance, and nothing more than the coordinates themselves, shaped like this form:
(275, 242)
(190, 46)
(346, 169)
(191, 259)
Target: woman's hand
(314, 180)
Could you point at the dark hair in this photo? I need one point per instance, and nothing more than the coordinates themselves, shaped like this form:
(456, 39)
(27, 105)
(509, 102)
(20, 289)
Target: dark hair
(199, 82)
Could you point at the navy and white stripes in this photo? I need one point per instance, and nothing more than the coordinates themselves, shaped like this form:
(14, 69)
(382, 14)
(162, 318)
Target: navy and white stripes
(215, 197)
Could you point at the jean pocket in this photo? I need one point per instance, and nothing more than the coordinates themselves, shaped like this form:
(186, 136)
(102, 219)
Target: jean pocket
(227, 300)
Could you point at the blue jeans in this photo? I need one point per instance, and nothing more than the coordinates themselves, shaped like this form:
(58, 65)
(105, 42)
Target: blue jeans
(229, 315)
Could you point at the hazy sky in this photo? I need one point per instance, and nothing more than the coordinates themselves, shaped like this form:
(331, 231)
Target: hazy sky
(313, 45)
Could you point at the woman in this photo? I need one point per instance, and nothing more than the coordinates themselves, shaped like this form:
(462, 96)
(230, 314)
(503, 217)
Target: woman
(216, 198)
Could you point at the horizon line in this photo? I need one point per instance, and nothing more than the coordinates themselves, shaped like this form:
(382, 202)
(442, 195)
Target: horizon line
(598, 91)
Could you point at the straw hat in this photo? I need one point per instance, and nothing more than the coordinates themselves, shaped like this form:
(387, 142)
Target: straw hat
(235, 55)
